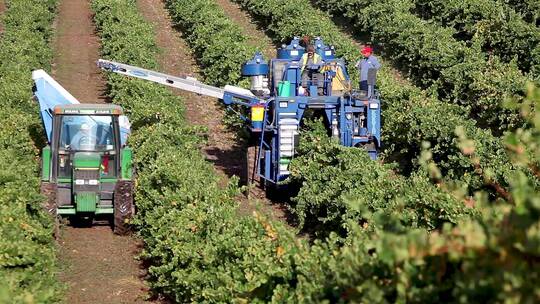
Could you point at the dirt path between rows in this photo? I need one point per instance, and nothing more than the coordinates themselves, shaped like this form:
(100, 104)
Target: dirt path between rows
(96, 265)
(76, 48)
(2, 10)
(224, 149)
(176, 59)
(256, 36)
(99, 266)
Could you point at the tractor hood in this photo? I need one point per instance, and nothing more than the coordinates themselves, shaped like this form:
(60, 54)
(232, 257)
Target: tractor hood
(86, 160)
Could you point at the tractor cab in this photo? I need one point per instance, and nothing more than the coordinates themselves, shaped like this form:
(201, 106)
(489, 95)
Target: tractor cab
(86, 140)
(86, 165)
(86, 158)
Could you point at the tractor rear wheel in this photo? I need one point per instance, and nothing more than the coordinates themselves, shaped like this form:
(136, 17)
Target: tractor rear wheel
(124, 209)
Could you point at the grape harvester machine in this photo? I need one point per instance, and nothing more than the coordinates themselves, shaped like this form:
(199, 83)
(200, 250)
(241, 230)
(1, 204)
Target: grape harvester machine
(281, 91)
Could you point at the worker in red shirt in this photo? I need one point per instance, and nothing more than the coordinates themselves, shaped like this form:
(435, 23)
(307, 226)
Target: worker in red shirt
(367, 62)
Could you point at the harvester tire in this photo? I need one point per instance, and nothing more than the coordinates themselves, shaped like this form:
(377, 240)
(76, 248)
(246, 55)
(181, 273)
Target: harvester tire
(124, 209)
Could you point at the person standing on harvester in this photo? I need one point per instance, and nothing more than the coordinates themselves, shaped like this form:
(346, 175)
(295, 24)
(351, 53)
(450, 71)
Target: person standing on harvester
(308, 58)
(365, 64)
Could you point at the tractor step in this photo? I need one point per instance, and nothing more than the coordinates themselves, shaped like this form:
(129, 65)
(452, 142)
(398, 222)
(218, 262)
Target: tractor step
(73, 211)
(66, 211)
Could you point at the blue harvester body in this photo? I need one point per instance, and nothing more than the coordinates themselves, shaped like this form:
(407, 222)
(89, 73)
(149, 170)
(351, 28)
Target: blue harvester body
(280, 97)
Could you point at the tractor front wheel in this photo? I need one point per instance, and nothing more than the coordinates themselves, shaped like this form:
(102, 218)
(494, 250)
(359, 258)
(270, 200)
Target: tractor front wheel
(124, 209)
(49, 191)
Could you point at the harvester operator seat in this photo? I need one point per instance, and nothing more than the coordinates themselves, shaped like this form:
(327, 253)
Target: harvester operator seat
(312, 76)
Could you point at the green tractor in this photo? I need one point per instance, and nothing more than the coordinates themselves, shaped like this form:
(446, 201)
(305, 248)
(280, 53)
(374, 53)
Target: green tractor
(86, 166)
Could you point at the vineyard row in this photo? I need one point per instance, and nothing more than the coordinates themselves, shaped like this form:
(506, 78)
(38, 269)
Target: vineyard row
(456, 72)
(499, 29)
(410, 117)
(27, 251)
(200, 249)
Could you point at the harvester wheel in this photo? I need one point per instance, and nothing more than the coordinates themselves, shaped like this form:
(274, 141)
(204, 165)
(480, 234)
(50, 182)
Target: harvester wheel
(370, 146)
(251, 177)
(124, 209)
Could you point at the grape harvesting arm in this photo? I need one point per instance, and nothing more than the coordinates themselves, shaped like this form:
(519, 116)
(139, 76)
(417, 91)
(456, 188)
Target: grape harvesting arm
(229, 94)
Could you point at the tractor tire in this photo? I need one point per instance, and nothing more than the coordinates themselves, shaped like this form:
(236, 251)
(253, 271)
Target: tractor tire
(49, 204)
(251, 178)
(49, 191)
(124, 209)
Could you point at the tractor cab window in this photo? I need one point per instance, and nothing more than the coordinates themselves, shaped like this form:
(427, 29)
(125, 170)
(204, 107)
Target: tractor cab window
(86, 133)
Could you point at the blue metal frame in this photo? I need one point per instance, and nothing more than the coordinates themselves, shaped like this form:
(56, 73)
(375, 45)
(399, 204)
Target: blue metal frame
(354, 118)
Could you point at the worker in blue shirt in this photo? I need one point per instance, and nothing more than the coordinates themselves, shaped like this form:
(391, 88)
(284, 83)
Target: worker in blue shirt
(367, 62)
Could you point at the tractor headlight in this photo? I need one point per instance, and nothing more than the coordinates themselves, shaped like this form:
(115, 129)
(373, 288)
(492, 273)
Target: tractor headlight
(93, 182)
(79, 182)
(373, 105)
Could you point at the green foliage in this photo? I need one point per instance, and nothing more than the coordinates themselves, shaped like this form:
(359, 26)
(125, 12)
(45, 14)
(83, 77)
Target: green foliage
(529, 9)
(493, 258)
(326, 208)
(460, 73)
(198, 247)
(201, 250)
(27, 253)
(219, 44)
(331, 175)
(132, 41)
(410, 117)
(496, 25)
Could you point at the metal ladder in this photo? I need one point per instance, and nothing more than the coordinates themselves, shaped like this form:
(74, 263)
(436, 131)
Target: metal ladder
(288, 129)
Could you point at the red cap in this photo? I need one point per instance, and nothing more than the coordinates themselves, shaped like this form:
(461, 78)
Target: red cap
(367, 50)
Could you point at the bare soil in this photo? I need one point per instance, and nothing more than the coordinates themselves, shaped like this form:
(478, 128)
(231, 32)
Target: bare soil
(176, 59)
(224, 149)
(97, 266)
(76, 47)
(256, 35)
(2, 10)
